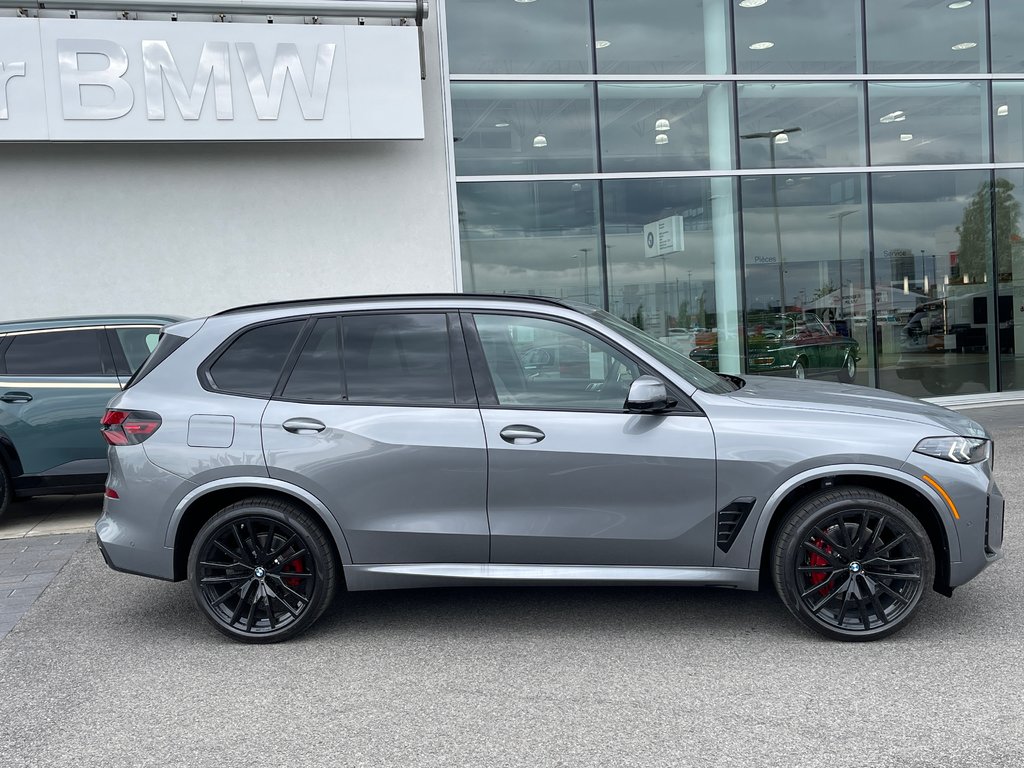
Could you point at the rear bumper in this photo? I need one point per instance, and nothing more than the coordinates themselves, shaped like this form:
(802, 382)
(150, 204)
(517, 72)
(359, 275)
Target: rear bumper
(120, 552)
(132, 530)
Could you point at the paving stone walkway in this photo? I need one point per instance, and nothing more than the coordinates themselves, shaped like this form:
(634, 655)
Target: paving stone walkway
(27, 566)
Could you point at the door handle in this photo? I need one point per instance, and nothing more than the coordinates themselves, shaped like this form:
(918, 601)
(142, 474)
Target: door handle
(16, 397)
(304, 426)
(521, 434)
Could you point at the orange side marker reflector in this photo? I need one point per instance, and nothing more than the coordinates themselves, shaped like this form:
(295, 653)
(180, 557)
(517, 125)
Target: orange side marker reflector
(943, 494)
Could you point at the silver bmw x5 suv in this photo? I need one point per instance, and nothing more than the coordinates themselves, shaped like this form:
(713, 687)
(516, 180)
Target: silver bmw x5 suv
(273, 454)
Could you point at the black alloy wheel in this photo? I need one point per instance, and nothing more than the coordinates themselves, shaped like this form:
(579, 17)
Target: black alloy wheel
(852, 564)
(262, 571)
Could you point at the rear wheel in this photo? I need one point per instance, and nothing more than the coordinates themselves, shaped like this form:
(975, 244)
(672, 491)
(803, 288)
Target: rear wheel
(262, 571)
(852, 564)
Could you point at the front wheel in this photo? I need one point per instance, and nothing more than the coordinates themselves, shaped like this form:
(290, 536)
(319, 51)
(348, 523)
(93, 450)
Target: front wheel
(262, 571)
(799, 370)
(852, 564)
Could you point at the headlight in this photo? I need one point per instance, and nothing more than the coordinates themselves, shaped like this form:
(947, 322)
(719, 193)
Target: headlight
(962, 450)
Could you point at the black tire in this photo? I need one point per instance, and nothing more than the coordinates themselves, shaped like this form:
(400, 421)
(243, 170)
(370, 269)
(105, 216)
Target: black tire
(852, 564)
(262, 571)
(848, 372)
(6, 489)
(800, 369)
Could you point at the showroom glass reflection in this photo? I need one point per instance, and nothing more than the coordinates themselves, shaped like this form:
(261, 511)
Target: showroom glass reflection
(759, 170)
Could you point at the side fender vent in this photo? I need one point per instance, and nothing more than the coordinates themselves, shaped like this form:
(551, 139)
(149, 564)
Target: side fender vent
(731, 518)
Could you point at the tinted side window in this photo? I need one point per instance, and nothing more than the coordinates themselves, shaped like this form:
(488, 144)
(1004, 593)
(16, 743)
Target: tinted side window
(402, 359)
(137, 344)
(317, 372)
(253, 362)
(535, 362)
(59, 353)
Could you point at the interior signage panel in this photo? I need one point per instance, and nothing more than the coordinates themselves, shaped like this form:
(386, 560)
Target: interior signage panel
(100, 80)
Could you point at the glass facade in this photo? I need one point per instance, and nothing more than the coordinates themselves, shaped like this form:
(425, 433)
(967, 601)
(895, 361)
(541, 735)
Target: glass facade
(786, 187)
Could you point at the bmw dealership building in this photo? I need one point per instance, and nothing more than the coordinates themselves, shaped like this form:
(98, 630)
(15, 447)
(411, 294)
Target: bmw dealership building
(718, 172)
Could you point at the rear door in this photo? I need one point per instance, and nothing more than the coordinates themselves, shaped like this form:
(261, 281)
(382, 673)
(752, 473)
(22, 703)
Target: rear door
(378, 418)
(54, 386)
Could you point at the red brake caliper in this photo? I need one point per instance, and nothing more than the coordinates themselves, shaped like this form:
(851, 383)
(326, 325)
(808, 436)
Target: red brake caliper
(817, 577)
(295, 566)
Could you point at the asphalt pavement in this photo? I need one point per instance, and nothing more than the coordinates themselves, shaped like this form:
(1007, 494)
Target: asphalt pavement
(107, 669)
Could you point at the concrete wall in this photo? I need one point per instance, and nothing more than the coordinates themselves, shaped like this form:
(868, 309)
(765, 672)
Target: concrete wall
(190, 229)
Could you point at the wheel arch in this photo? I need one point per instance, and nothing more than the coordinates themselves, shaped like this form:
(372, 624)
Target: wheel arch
(9, 456)
(917, 497)
(201, 504)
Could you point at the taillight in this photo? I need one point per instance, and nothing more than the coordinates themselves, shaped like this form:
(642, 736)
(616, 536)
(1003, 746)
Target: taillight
(129, 427)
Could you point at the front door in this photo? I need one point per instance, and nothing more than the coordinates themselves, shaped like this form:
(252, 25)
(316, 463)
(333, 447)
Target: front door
(572, 477)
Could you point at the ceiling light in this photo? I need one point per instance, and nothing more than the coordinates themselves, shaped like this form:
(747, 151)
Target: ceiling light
(906, 136)
(752, 3)
(959, 4)
(539, 141)
(893, 117)
(602, 43)
(501, 125)
(576, 187)
(762, 45)
(964, 46)
(663, 125)
(661, 138)
(1003, 110)
(526, 1)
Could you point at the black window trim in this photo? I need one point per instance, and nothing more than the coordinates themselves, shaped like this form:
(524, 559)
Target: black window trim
(487, 393)
(459, 370)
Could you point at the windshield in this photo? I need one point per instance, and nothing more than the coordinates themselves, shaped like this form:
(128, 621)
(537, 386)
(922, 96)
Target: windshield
(696, 374)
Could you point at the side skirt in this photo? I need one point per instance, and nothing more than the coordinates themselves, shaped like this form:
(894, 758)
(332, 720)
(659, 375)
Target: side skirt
(405, 576)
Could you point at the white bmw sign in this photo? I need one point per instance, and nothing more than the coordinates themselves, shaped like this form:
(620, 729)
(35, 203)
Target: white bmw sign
(98, 80)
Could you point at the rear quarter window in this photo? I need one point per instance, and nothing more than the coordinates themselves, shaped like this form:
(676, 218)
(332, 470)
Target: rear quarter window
(252, 362)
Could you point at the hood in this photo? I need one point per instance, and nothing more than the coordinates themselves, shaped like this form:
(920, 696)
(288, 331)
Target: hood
(827, 397)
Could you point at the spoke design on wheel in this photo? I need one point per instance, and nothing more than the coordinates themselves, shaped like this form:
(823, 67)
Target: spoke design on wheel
(858, 569)
(256, 574)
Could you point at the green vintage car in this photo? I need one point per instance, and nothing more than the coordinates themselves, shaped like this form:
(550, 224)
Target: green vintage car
(795, 344)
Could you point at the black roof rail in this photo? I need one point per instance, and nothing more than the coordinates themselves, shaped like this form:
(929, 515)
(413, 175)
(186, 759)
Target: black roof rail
(387, 297)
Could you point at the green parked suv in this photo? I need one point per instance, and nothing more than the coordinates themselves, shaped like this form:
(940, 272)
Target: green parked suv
(56, 377)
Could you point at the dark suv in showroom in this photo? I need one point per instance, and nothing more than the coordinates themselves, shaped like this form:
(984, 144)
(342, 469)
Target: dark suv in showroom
(56, 377)
(273, 454)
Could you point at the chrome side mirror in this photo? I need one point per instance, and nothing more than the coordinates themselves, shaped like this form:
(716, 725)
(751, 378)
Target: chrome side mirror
(647, 394)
